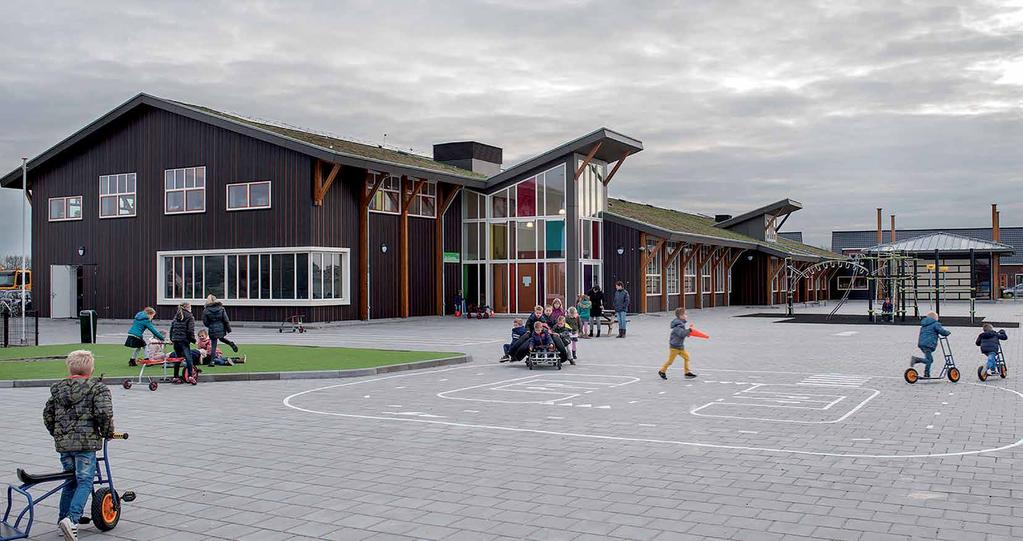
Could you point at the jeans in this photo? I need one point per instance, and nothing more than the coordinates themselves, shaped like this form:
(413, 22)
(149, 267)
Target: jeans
(622, 320)
(676, 352)
(76, 492)
(182, 351)
(213, 343)
(992, 361)
(927, 360)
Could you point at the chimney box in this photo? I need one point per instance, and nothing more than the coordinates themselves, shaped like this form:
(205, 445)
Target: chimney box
(471, 155)
(718, 218)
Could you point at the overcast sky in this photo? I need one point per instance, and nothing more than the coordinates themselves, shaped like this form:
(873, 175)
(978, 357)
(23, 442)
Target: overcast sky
(911, 106)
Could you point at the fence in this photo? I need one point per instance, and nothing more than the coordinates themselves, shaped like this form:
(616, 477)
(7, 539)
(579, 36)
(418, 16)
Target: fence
(11, 333)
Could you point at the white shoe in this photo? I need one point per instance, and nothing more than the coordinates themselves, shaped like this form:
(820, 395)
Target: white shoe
(69, 529)
(992, 373)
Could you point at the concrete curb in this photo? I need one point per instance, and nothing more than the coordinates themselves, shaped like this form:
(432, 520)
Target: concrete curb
(271, 376)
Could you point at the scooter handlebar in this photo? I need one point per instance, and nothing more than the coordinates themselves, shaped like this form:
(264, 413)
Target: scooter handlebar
(119, 436)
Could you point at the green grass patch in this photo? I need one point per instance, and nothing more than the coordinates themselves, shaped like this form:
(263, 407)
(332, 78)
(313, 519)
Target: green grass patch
(112, 360)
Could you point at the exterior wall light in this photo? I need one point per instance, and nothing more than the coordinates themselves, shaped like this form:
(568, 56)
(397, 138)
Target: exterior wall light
(383, 248)
(620, 250)
(81, 251)
(749, 258)
(529, 225)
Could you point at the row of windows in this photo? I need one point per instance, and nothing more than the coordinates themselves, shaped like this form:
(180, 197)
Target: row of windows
(256, 275)
(184, 192)
(515, 239)
(388, 198)
(653, 274)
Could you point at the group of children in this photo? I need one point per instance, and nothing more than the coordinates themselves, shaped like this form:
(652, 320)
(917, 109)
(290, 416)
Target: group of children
(182, 335)
(930, 330)
(543, 325)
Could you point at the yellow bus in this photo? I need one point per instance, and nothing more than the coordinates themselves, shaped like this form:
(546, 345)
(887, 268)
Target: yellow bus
(10, 280)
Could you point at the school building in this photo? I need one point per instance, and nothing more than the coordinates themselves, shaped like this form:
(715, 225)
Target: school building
(159, 202)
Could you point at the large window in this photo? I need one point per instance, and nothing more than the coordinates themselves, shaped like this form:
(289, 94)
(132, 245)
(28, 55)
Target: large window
(690, 276)
(425, 202)
(721, 282)
(117, 195)
(591, 190)
(248, 195)
(64, 209)
(184, 190)
(672, 272)
(653, 270)
(388, 197)
(295, 276)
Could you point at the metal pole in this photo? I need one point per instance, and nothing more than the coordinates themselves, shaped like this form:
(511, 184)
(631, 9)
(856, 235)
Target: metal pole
(916, 290)
(937, 283)
(24, 257)
(973, 282)
(788, 287)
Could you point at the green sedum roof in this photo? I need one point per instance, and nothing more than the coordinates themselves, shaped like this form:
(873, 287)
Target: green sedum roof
(684, 223)
(344, 146)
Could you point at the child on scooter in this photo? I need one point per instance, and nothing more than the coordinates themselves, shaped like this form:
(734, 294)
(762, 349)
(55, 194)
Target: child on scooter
(79, 415)
(930, 329)
(989, 345)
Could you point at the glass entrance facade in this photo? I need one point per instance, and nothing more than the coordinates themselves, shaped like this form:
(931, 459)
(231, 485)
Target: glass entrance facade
(514, 241)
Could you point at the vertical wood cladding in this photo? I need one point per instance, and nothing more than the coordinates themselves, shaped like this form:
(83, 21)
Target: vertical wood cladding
(623, 267)
(452, 243)
(749, 280)
(422, 268)
(383, 266)
(336, 224)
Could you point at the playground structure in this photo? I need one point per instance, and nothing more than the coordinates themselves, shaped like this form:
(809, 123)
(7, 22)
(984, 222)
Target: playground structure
(889, 274)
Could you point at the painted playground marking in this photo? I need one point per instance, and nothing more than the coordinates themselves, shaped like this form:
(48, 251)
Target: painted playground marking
(289, 399)
(548, 388)
(748, 404)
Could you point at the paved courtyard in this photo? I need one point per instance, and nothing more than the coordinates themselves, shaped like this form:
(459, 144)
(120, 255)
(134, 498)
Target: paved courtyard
(790, 432)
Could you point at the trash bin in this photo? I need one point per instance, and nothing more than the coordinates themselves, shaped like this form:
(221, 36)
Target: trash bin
(87, 321)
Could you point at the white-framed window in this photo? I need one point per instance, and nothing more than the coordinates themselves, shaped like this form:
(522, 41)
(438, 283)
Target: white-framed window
(64, 209)
(424, 204)
(721, 282)
(184, 190)
(388, 197)
(304, 276)
(672, 271)
(248, 195)
(117, 195)
(653, 270)
(690, 276)
(705, 272)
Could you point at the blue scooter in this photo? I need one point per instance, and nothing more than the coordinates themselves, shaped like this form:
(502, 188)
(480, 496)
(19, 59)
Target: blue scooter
(106, 502)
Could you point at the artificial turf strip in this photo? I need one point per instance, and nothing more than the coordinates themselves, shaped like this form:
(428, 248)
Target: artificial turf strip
(112, 360)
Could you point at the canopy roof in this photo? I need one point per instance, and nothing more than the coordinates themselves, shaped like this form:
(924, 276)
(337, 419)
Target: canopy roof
(944, 243)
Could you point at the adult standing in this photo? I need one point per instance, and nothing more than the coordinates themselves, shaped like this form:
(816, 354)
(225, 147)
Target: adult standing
(182, 335)
(597, 308)
(214, 317)
(621, 306)
(142, 322)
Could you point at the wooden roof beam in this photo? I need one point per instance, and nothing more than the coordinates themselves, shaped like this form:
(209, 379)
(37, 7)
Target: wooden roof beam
(320, 186)
(615, 168)
(586, 162)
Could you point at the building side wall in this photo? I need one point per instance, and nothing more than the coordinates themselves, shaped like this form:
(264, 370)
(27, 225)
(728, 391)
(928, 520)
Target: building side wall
(422, 267)
(623, 267)
(384, 296)
(119, 265)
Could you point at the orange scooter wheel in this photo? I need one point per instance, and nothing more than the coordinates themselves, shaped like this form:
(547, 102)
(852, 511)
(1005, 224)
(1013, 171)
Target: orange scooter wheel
(106, 512)
(911, 375)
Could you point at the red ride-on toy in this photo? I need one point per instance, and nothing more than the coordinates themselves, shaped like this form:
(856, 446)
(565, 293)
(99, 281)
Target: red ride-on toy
(293, 324)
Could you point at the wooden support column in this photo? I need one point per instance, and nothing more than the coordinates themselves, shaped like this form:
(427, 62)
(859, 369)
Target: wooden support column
(367, 196)
(321, 186)
(586, 161)
(642, 271)
(438, 233)
(614, 169)
(406, 202)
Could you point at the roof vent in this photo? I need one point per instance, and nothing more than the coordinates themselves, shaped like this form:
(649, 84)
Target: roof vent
(718, 218)
(476, 157)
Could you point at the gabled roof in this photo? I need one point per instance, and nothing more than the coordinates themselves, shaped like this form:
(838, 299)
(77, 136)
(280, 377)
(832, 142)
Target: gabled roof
(613, 147)
(778, 208)
(682, 226)
(313, 144)
(944, 243)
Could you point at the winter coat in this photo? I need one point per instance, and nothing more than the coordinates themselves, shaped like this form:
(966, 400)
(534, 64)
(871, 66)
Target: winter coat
(988, 341)
(584, 308)
(575, 323)
(565, 332)
(140, 324)
(555, 314)
(532, 319)
(214, 317)
(540, 340)
(517, 332)
(621, 300)
(597, 300)
(204, 347)
(79, 415)
(887, 308)
(183, 330)
(679, 332)
(929, 331)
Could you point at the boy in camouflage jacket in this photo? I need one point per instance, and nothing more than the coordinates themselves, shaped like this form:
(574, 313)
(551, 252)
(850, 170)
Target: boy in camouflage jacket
(79, 415)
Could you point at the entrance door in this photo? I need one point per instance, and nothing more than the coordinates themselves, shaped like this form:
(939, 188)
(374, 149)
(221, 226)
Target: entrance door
(63, 291)
(527, 287)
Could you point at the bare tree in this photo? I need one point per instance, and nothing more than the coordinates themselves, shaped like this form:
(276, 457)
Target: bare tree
(12, 261)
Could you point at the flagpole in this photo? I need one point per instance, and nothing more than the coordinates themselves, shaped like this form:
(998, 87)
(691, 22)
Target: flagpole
(24, 257)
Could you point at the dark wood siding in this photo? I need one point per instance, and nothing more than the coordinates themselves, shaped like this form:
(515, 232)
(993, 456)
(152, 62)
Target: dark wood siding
(383, 266)
(623, 267)
(653, 303)
(336, 224)
(749, 280)
(422, 267)
(123, 250)
(452, 243)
